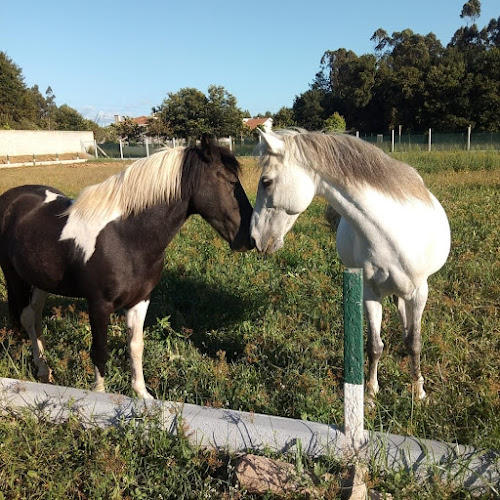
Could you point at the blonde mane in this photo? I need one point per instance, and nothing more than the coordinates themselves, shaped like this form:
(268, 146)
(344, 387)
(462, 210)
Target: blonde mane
(148, 181)
(345, 160)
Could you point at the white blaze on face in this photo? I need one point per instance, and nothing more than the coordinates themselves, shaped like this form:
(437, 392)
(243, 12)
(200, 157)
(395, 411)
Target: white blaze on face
(85, 232)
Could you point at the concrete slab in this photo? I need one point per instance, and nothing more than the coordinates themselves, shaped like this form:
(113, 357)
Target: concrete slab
(236, 431)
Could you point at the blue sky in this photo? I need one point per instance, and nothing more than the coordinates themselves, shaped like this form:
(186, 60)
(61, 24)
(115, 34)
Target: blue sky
(121, 57)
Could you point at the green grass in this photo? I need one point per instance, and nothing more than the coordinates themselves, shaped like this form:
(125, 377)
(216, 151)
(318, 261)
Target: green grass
(264, 334)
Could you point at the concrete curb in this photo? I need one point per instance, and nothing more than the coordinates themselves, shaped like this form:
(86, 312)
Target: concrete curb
(41, 163)
(236, 432)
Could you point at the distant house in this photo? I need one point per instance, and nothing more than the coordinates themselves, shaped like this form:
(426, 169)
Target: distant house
(142, 121)
(253, 123)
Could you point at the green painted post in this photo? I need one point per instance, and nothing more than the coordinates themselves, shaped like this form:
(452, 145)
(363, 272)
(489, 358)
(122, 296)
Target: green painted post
(353, 358)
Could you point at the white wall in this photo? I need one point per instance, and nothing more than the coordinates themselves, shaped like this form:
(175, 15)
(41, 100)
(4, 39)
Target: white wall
(40, 142)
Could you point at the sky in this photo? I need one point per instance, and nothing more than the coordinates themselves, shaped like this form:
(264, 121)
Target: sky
(113, 57)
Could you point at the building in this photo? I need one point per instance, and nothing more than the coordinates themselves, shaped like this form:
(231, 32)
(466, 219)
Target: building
(253, 123)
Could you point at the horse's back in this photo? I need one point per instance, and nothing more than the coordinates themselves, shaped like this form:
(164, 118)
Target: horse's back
(17, 202)
(31, 222)
(398, 252)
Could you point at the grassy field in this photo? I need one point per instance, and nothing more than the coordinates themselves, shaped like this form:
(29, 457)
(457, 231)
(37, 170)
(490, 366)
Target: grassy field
(264, 334)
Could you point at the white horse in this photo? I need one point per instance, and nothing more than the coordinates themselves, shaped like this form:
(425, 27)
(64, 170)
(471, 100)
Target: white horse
(392, 226)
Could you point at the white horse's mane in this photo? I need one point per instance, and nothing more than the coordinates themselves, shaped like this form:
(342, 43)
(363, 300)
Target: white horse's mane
(345, 160)
(148, 181)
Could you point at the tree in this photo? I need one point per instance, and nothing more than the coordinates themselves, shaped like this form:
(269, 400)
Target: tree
(308, 109)
(335, 123)
(67, 118)
(224, 117)
(127, 129)
(158, 128)
(471, 9)
(13, 93)
(185, 113)
(284, 118)
(189, 113)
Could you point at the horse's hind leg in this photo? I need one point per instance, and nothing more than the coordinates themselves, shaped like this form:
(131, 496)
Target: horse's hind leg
(135, 324)
(31, 320)
(413, 338)
(99, 313)
(375, 346)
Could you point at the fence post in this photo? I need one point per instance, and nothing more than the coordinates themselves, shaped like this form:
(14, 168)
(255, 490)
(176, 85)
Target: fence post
(392, 141)
(469, 130)
(95, 149)
(429, 145)
(146, 142)
(353, 358)
(121, 149)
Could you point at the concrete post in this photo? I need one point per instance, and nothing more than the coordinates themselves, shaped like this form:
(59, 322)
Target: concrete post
(353, 358)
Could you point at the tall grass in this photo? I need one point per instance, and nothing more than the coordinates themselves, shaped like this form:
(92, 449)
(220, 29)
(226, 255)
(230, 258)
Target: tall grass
(264, 334)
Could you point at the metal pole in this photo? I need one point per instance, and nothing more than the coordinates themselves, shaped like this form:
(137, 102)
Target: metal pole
(429, 146)
(392, 141)
(353, 358)
(469, 130)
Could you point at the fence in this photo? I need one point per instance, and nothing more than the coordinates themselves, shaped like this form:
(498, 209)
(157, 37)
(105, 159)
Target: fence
(434, 141)
(405, 142)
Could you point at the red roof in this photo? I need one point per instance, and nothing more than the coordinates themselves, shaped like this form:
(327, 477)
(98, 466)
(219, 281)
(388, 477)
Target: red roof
(141, 120)
(252, 123)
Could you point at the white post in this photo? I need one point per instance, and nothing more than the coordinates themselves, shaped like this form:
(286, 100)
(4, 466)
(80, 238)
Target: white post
(469, 131)
(146, 141)
(173, 142)
(429, 146)
(230, 143)
(392, 141)
(121, 149)
(95, 149)
(357, 134)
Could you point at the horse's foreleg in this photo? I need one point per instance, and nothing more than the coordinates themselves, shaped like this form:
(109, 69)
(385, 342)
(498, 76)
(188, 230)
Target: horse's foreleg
(135, 324)
(375, 346)
(99, 313)
(31, 320)
(413, 338)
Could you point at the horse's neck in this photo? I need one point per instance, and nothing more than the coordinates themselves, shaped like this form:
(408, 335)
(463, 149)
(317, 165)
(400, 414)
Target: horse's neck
(366, 209)
(160, 223)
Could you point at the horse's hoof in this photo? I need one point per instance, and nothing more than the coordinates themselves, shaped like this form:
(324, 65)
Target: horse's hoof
(46, 378)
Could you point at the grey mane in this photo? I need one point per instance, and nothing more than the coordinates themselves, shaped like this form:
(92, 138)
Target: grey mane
(348, 161)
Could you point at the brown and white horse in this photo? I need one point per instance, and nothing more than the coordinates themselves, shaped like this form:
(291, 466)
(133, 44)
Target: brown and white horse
(108, 245)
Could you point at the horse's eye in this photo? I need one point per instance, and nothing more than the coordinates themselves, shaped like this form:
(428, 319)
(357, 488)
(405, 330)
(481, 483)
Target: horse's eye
(266, 182)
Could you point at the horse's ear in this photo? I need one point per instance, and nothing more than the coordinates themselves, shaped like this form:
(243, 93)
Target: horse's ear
(274, 143)
(208, 146)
